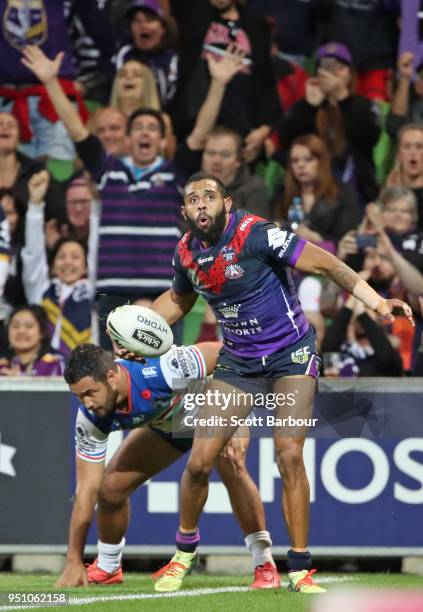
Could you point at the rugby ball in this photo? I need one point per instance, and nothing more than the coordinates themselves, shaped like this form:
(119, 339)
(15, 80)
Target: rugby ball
(139, 330)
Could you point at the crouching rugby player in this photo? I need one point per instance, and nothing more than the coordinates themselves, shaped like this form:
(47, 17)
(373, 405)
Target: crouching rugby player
(120, 394)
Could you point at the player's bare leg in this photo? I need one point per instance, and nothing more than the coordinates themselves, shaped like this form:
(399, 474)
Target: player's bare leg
(248, 507)
(289, 444)
(207, 445)
(127, 470)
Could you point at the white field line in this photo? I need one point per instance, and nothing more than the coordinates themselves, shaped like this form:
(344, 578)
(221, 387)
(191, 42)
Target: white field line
(82, 601)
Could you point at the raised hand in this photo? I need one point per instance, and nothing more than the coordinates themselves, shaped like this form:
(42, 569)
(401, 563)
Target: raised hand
(44, 69)
(388, 309)
(405, 65)
(225, 68)
(37, 186)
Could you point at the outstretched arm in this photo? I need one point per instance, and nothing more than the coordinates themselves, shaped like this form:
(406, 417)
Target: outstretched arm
(89, 477)
(314, 260)
(46, 71)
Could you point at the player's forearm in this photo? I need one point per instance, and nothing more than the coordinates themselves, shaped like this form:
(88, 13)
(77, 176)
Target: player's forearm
(400, 98)
(66, 111)
(82, 515)
(172, 306)
(315, 260)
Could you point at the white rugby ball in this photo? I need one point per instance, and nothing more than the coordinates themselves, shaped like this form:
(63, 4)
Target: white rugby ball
(139, 330)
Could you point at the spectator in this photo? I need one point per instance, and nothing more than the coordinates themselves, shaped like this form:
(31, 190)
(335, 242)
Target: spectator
(16, 169)
(93, 42)
(330, 208)
(364, 347)
(4, 262)
(14, 211)
(346, 122)
(408, 168)
(29, 352)
(407, 99)
(153, 38)
(43, 25)
(134, 87)
(250, 105)
(67, 296)
(369, 29)
(109, 125)
(399, 218)
(222, 157)
(140, 216)
(297, 25)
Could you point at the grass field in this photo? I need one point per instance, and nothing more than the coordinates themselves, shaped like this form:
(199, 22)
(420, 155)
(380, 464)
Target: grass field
(137, 593)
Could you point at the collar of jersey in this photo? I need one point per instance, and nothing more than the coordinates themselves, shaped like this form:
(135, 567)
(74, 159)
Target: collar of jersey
(128, 408)
(137, 172)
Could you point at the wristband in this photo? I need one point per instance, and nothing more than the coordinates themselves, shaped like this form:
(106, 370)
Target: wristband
(363, 292)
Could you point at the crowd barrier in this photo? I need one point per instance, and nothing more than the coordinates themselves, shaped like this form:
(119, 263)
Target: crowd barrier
(365, 466)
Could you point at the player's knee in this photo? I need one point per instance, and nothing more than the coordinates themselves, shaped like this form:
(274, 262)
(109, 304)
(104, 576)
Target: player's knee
(290, 461)
(199, 470)
(110, 498)
(231, 467)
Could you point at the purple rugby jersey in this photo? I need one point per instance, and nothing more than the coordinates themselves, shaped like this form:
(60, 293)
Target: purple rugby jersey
(246, 279)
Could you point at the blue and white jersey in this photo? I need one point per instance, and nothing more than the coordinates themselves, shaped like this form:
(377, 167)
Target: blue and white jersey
(246, 279)
(155, 390)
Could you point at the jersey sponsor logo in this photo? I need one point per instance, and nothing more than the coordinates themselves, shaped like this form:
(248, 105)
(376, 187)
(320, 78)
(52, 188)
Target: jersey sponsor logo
(286, 245)
(147, 337)
(228, 253)
(203, 260)
(276, 237)
(229, 312)
(234, 271)
(245, 224)
(83, 441)
(138, 419)
(149, 372)
(301, 356)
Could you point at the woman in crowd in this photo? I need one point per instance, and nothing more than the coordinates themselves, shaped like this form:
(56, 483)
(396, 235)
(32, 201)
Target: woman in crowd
(14, 211)
(330, 208)
(67, 295)
(346, 122)
(134, 87)
(29, 352)
(408, 168)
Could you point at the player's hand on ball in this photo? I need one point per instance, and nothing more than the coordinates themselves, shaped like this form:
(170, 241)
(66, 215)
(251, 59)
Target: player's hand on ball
(73, 575)
(123, 353)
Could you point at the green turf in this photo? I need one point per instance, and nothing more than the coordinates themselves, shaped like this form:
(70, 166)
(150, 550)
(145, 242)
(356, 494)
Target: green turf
(262, 601)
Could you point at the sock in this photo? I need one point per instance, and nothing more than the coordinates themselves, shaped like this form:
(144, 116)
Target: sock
(297, 561)
(259, 544)
(187, 542)
(110, 556)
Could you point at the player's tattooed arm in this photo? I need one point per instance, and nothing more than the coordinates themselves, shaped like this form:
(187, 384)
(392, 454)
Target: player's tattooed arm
(173, 306)
(314, 260)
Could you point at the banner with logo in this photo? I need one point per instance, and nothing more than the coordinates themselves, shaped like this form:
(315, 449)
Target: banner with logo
(365, 468)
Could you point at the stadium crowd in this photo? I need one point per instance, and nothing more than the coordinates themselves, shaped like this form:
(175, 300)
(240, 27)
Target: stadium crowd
(310, 113)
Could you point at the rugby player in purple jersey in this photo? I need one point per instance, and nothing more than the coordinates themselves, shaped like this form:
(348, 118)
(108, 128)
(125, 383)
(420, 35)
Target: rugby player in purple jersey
(240, 264)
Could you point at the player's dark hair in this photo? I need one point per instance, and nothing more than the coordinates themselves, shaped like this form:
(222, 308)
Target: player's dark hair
(204, 176)
(88, 360)
(150, 112)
